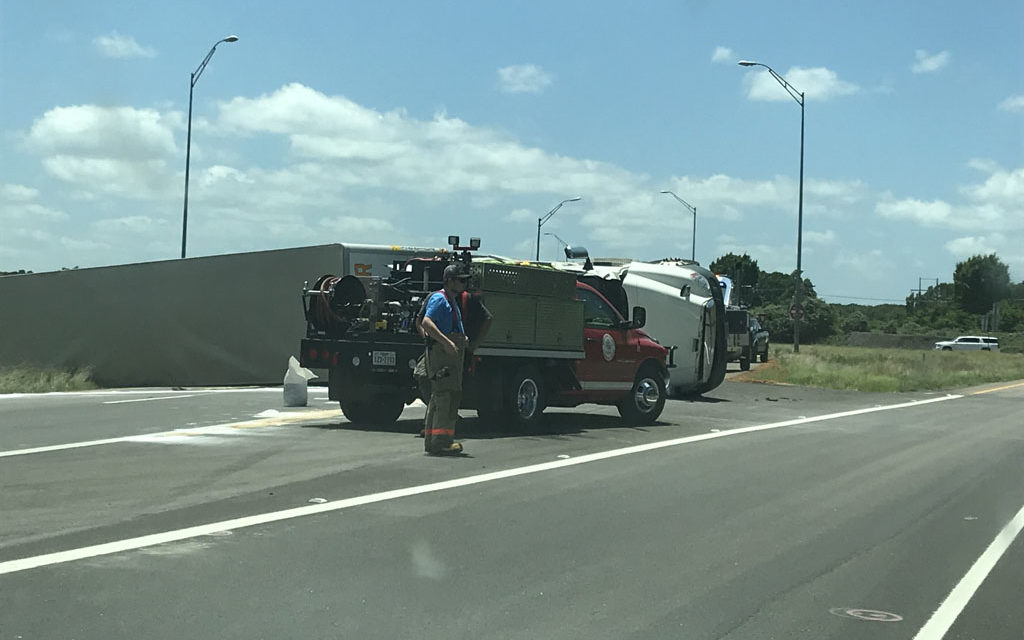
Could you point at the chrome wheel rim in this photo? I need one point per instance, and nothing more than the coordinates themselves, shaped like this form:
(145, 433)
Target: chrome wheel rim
(646, 395)
(526, 398)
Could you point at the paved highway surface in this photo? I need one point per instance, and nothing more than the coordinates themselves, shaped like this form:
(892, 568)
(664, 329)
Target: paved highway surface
(759, 511)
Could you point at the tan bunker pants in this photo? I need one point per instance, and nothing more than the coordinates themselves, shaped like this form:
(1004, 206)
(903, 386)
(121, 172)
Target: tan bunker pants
(444, 372)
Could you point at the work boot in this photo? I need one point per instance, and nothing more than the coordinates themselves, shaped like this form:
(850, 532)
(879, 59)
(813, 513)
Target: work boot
(453, 449)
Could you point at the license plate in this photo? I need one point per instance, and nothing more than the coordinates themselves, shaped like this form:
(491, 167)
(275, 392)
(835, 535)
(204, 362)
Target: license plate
(383, 358)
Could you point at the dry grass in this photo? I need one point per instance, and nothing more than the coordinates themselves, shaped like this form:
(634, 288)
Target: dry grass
(24, 379)
(887, 369)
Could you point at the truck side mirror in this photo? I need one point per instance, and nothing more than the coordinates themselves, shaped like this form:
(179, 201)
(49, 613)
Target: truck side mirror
(639, 317)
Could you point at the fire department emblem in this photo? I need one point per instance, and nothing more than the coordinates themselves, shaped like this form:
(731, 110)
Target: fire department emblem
(608, 347)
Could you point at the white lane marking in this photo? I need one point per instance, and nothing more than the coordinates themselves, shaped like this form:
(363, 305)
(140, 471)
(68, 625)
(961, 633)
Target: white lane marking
(115, 392)
(128, 544)
(189, 395)
(954, 604)
(175, 434)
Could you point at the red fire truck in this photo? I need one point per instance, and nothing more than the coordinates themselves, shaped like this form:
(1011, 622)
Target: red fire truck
(554, 342)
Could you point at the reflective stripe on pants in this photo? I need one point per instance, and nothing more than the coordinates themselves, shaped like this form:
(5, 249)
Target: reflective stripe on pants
(444, 372)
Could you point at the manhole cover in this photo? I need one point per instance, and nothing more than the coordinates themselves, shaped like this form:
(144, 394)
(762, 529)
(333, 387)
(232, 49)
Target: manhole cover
(869, 615)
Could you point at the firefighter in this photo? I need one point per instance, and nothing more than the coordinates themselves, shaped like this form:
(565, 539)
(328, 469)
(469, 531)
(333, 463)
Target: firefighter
(444, 359)
(476, 319)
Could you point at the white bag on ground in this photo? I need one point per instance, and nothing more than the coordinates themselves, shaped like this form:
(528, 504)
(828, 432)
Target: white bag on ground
(296, 380)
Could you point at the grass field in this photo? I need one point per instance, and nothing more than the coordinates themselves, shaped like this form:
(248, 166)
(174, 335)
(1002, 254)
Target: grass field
(35, 380)
(865, 369)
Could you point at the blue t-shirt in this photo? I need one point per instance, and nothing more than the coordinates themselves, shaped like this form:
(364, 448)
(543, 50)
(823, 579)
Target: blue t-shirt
(440, 311)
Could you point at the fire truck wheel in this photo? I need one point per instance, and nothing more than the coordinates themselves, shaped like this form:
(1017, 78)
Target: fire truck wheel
(526, 405)
(379, 410)
(646, 399)
(492, 419)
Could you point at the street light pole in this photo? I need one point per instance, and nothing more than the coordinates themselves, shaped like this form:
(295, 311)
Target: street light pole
(547, 216)
(557, 237)
(798, 290)
(693, 210)
(194, 78)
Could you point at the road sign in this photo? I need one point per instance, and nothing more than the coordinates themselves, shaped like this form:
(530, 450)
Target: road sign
(796, 311)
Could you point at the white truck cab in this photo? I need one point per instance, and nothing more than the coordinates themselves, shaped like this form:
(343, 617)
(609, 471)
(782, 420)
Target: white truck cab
(685, 313)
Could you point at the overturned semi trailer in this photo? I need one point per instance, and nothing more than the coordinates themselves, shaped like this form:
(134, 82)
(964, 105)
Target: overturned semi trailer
(216, 320)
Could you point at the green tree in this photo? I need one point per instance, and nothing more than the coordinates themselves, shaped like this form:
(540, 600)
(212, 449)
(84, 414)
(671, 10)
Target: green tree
(980, 281)
(775, 318)
(777, 288)
(855, 321)
(819, 320)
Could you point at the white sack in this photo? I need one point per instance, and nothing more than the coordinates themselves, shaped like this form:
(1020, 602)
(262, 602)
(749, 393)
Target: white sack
(296, 381)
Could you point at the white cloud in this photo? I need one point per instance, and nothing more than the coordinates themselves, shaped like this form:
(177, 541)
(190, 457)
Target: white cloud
(870, 266)
(729, 196)
(936, 212)
(985, 165)
(118, 150)
(995, 205)
(115, 45)
(79, 244)
(523, 78)
(925, 62)
(19, 206)
(132, 225)
(968, 246)
(440, 156)
(148, 179)
(723, 54)
(348, 224)
(122, 133)
(520, 215)
(820, 237)
(219, 173)
(1002, 188)
(1013, 104)
(361, 175)
(817, 83)
(10, 193)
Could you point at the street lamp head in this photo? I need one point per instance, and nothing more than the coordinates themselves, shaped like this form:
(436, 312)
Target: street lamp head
(576, 199)
(230, 39)
(748, 63)
(665, 191)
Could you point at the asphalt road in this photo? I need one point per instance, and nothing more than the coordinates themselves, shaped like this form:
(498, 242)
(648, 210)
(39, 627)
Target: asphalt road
(759, 511)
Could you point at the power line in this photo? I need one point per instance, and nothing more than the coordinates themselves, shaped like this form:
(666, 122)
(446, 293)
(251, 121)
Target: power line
(829, 295)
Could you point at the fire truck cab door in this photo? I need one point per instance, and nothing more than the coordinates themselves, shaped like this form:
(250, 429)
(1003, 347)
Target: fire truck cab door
(610, 358)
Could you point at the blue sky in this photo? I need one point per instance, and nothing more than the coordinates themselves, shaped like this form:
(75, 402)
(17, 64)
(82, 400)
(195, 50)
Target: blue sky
(403, 122)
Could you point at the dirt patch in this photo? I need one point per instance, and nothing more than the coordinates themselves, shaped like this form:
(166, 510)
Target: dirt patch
(764, 372)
